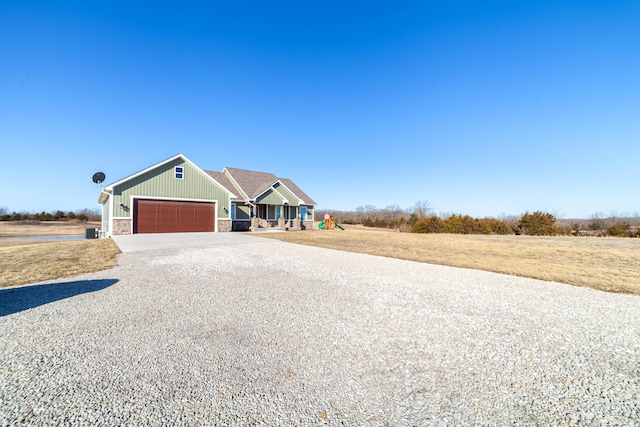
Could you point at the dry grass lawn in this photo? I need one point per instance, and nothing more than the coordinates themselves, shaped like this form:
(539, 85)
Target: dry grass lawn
(31, 263)
(608, 264)
(44, 228)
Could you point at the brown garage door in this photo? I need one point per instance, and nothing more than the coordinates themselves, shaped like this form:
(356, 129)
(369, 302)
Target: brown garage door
(169, 216)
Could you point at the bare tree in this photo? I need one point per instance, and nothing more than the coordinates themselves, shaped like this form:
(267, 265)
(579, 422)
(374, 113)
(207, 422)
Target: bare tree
(422, 208)
(393, 212)
(91, 214)
(597, 221)
(359, 217)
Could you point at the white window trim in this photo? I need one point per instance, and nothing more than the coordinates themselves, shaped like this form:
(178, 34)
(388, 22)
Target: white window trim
(175, 172)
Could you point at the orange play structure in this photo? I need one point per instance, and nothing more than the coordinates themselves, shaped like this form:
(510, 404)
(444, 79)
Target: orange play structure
(329, 223)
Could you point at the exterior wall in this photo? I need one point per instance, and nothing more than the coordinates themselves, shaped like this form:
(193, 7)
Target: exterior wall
(121, 226)
(160, 182)
(291, 198)
(270, 198)
(224, 225)
(243, 218)
(309, 212)
(306, 225)
(243, 212)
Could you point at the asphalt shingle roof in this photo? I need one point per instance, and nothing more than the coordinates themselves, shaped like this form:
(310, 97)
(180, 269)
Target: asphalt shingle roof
(297, 191)
(223, 180)
(254, 183)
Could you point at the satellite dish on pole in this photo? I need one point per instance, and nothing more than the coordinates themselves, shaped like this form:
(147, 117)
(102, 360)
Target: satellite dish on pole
(98, 177)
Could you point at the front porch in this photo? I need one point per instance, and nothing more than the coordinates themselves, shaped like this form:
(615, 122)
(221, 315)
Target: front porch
(262, 217)
(281, 223)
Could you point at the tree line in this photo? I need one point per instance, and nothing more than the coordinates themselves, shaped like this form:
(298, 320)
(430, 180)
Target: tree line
(78, 215)
(421, 218)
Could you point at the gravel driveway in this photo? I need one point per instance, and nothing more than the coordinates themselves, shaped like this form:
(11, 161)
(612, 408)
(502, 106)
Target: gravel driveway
(271, 333)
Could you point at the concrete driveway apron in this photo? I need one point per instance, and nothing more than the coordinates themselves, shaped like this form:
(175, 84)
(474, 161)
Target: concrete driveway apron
(154, 241)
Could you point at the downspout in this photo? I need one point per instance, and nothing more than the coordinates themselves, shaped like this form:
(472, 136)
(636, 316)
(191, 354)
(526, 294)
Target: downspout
(110, 210)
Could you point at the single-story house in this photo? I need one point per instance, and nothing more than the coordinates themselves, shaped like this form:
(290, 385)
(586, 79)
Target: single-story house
(175, 195)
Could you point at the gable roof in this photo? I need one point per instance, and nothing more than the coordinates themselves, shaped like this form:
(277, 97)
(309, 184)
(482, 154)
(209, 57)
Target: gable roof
(306, 200)
(222, 179)
(109, 188)
(246, 183)
(253, 184)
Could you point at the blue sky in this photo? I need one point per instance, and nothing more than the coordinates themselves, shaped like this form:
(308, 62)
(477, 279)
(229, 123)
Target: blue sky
(481, 107)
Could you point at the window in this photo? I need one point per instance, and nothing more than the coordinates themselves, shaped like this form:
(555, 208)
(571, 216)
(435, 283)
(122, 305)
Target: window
(233, 211)
(303, 213)
(271, 212)
(179, 172)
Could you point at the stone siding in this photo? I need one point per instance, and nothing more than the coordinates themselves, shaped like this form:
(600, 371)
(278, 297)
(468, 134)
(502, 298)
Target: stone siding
(257, 223)
(224, 225)
(262, 223)
(121, 226)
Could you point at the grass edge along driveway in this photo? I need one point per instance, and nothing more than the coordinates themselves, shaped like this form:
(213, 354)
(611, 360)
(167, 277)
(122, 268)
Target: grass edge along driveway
(607, 264)
(32, 263)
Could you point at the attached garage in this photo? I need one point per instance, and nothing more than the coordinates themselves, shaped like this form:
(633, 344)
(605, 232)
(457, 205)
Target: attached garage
(173, 216)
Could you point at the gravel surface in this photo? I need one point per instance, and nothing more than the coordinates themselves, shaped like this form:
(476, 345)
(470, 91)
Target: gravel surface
(273, 333)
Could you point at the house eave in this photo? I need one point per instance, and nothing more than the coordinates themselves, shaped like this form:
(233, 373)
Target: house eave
(104, 196)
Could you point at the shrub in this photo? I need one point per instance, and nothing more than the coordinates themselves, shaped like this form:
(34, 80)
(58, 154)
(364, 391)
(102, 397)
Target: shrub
(569, 229)
(499, 226)
(459, 224)
(620, 229)
(597, 222)
(431, 224)
(537, 224)
(413, 219)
